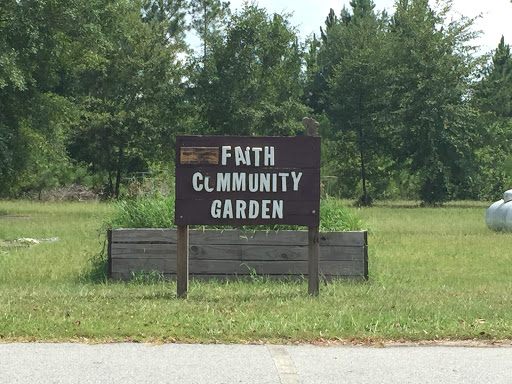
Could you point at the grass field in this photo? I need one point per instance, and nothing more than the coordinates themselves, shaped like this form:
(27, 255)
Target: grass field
(435, 273)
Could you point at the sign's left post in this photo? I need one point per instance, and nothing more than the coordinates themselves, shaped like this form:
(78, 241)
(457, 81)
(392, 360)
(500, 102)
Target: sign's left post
(182, 246)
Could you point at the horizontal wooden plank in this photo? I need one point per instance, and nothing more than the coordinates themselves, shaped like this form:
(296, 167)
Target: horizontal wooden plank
(245, 253)
(236, 236)
(231, 267)
(247, 278)
(308, 187)
(144, 235)
(295, 212)
(136, 251)
(291, 238)
(251, 278)
(248, 237)
(199, 155)
(349, 238)
(241, 253)
(162, 265)
(271, 268)
(289, 152)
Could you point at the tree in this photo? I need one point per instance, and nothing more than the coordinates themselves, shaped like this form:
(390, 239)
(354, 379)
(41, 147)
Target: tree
(492, 97)
(251, 83)
(350, 85)
(129, 104)
(494, 92)
(435, 130)
(208, 20)
(38, 44)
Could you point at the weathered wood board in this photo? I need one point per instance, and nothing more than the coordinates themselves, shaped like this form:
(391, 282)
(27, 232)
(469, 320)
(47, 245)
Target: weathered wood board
(229, 254)
(199, 155)
(233, 180)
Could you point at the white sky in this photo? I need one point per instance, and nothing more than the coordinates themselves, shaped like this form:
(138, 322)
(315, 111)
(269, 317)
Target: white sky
(309, 15)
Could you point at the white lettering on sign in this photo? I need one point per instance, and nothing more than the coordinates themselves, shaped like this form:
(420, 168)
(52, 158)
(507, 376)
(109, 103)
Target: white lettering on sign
(196, 178)
(225, 154)
(215, 209)
(253, 182)
(223, 182)
(239, 184)
(277, 208)
(248, 156)
(265, 209)
(254, 209)
(198, 185)
(241, 205)
(296, 180)
(257, 152)
(283, 177)
(243, 181)
(227, 213)
(268, 156)
(240, 157)
(264, 182)
(268, 182)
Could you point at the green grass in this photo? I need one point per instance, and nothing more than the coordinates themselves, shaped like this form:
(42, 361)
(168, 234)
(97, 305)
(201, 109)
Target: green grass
(435, 273)
(150, 212)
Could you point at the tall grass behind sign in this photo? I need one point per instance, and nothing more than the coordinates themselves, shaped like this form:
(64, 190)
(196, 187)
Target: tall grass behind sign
(233, 180)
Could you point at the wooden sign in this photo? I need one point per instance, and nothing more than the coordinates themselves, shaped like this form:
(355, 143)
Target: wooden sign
(231, 180)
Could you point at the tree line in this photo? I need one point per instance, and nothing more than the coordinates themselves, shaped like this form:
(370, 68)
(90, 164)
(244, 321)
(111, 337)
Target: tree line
(91, 92)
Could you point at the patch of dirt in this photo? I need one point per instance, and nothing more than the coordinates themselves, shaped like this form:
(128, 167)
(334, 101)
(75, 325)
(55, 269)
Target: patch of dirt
(74, 192)
(14, 217)
(379, 343)
(25, 242)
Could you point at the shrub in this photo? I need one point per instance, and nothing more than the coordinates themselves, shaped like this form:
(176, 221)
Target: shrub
(151, 212)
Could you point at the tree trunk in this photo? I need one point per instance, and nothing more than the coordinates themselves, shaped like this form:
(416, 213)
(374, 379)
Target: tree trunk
(205, 10)
(365, 201)
(364, 198)
(118, 172)
(110, 185)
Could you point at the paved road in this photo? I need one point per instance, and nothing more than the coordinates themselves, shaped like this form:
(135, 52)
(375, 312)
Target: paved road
(258, 364)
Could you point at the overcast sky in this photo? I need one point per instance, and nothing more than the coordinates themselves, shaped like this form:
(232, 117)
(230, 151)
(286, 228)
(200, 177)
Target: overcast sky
(309, 15)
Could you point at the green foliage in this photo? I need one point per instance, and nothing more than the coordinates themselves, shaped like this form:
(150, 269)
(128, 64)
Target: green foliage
(143, 212)
(494, 92)
(128, 104)
(151, 212)
(403, 110)
(146, 278)
(434, 129)
(208, 20)
(251, 82)
(355, 53)
(335, 216)
(31, 114)
(493, 100)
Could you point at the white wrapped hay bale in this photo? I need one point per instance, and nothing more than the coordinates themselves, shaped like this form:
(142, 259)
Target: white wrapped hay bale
(498, 216)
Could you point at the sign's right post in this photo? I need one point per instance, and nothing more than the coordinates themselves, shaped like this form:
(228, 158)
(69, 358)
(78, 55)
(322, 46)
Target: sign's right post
(311, 127)
(313, 257)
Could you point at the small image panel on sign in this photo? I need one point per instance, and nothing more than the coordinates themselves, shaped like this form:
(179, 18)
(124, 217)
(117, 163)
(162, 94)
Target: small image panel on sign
(199, 155)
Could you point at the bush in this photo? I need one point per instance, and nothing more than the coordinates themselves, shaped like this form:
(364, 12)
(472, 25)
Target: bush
(152, 212)
(143, 212)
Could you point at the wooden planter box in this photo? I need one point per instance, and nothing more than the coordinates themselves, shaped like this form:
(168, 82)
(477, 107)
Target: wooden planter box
(229, 254)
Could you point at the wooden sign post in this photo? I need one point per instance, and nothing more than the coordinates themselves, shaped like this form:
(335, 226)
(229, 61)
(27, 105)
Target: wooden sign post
(182, 246)
(313, 258)
(232, 180)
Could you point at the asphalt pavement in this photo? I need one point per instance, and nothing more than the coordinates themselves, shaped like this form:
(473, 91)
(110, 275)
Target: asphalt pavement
(36, 363)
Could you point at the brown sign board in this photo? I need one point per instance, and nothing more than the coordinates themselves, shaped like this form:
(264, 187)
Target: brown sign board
(245, 180)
